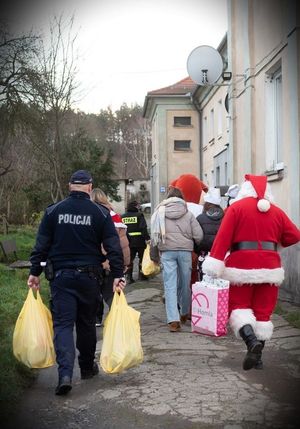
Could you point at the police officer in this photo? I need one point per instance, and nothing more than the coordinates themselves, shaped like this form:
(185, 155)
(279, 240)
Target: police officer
(69, 239)
(137, 234)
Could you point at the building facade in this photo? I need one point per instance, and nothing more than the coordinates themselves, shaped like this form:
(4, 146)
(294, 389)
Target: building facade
(175, 135)
(250, 124)
(211, 102)
(264, 105)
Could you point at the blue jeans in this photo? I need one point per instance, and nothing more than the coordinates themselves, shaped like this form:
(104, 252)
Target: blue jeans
(177, 268)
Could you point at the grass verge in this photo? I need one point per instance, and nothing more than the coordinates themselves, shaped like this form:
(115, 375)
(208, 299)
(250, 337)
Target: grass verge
(290, 313)
(14, 376)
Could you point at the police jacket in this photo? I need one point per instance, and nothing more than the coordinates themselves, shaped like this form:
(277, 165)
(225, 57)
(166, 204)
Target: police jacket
(210, 222)
(136, 227)
(71, 234)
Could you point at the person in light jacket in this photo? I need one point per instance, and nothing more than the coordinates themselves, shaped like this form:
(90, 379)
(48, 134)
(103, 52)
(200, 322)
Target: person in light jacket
(173, 232)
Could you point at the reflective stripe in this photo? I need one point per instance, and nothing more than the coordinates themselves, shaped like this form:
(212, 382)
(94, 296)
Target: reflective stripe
(134, 233)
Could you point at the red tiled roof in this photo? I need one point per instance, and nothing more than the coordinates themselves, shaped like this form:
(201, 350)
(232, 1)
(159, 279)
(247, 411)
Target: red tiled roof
(182, 87)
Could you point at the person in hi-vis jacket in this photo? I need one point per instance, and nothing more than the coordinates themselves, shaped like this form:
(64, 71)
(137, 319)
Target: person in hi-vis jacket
(138, 236)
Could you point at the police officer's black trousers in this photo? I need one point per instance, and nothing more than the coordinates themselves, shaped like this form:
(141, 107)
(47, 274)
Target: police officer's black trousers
(74, 300)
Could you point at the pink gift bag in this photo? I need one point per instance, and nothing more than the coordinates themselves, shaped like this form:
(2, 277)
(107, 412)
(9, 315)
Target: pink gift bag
(210, 306)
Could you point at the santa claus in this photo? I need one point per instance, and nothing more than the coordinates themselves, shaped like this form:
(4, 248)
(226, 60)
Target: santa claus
(245, 253)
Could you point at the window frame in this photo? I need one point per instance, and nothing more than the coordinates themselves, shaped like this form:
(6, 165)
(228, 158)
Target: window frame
(188, 149)
(178, 125)
(274, 119)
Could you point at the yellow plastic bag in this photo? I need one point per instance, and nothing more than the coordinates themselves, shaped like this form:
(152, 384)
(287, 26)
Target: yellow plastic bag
(149, 268)
(33, 334)
(121, 348)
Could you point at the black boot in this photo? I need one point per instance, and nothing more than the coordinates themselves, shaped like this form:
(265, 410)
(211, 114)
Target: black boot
(254, 347)
(259, 364)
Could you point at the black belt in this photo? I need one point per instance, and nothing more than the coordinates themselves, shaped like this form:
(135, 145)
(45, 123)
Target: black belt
(84, 269)
(254, 245)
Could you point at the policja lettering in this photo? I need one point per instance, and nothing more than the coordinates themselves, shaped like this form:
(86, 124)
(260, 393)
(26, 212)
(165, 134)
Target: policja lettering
(74, 219)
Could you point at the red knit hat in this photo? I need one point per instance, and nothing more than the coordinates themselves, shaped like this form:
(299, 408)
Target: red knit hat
(259, 184)
(190, 186)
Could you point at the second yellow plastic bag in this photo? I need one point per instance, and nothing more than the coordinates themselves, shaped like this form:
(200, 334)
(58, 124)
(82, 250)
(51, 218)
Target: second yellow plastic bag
(33, 334)
(149, 268)
(121, 348)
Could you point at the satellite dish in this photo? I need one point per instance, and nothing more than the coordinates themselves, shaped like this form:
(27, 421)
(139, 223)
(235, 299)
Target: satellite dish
(204, 65)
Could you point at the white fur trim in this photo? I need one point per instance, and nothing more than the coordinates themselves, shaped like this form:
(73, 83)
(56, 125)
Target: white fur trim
(261, 275)
(264, 330)
(263, 205)
(241, 317)
(247, 190)
(213, 267)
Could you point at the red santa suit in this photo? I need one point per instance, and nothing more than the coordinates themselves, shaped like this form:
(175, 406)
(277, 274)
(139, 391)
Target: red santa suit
(251, 230)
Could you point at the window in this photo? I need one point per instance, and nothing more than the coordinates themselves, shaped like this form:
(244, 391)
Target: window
(212, 125)
(182, 121)
(221, 168)
(218, 176)
(182, 145)
(204, 131)
(220, 118)
(273, 112)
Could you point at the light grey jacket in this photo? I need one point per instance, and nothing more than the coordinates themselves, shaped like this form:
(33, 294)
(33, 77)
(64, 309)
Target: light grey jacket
(182, 229)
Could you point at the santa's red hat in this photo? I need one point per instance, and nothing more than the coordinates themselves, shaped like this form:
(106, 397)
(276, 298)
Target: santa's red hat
(190, 186)
(259, 184)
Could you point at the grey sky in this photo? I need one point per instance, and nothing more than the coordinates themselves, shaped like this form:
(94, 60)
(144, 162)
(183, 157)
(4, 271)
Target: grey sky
(129, 47)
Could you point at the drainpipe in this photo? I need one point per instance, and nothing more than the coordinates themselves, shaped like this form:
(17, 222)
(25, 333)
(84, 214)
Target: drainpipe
(199, 110)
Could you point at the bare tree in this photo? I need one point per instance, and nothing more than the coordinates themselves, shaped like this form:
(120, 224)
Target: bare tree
(16, 57)
(134, 135)
(17, 53)
(54, 84)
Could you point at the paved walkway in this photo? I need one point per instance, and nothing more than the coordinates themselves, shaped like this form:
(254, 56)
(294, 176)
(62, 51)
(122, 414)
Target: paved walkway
(187, 381)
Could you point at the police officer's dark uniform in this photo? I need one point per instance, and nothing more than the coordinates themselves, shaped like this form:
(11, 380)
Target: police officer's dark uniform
(70, 236)
(137, 234)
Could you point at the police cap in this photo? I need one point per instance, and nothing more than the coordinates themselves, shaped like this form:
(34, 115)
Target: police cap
(81, 177)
